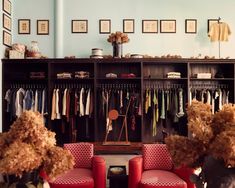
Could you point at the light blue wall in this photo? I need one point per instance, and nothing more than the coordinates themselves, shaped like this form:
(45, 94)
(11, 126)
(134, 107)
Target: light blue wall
(159, 44)
(35, 10)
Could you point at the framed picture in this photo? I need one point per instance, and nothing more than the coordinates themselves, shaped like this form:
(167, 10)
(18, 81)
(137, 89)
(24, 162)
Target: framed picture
(6, 22)
(43, 27)
(190, 26)
(105, 26)
(24, 26)
(149, 26)
(6, 38)
(6, 6)
(210, 22)
(168, 26)
(79, 26)
(128, 26)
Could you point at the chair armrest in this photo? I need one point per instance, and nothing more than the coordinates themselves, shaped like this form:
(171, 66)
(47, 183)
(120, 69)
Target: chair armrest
(185, 173)
(135, 171)
(99, 171)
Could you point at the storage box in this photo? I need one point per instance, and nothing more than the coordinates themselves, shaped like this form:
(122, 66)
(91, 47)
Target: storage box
(13, 54)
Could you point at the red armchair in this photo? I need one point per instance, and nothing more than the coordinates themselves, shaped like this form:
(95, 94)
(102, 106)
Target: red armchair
(154, 169)
(89, 170)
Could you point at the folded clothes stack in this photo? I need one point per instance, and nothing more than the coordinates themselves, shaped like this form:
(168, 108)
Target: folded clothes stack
(204, 75)
(127, 75)
(64, 75)
(111, 75)
(37, 75)
(81, 74)
(173, 75)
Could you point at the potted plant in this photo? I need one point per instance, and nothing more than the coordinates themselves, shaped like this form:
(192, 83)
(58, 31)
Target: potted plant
(28, 148)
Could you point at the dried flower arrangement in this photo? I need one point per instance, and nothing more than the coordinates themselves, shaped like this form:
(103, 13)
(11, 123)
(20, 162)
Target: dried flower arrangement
(28, 145)
(212, 135)
(118, 37)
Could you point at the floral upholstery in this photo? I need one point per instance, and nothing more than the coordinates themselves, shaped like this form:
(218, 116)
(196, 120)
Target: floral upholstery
(161, 178)
(89, 170)
(156, 156)
(154, 169)
(82, 152)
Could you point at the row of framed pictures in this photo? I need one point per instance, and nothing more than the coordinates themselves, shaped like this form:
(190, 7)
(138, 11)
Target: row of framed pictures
(24, 27)
(6, 23)
(148, 26)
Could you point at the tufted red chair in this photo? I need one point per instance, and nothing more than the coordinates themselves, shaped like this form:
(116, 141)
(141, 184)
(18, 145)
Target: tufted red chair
(89, 170)
(154, 169)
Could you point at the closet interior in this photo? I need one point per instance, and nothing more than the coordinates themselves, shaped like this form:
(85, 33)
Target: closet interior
(75, 96)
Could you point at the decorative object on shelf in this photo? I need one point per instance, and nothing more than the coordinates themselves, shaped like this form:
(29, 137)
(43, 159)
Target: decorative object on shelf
(24, 26)
(149, 26)
(168, 26)
(218, 31)
(213, 136)
(29, 146)
(79, 26)
(96, 53)
(34, 51)
(117, 39)
(42, 27)
(105, 26)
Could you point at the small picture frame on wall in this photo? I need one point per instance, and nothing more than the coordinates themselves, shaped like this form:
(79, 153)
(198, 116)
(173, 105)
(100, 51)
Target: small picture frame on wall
(168, 26)
(24, 26)
(6, 6)
(149, 26)
(128, 25)
(6, 21)
(105, 26)
(210, 22)
(43, 27)
(191, 26)
(6, 39)
(79, 26)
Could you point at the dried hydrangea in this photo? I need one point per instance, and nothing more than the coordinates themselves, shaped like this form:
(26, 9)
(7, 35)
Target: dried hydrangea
(19, 157)
(28, 146)
(212, 135)
(199, 121)
(185, 151)
(118, 37)
(57, 160)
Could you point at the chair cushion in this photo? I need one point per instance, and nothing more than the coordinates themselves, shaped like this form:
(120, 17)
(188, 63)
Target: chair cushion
(82, 152)
(156, 156)
(77, 177)
(161, 178)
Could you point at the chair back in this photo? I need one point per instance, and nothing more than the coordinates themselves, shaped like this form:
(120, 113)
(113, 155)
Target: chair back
(156, 156)
(82, 152)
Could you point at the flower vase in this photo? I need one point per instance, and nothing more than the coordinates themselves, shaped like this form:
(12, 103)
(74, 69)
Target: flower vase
(27, 178)
(117, 50)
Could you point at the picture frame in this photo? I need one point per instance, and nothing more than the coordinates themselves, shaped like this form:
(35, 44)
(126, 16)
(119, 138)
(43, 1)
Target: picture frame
(24, 26)
(191, 26)
(6, 22)
(7, 38)
(105, 26)
(128, 25)
(210, 22)
(6, 6)
(42, 27)
(79, 26)
(149, 26)
(167, 26)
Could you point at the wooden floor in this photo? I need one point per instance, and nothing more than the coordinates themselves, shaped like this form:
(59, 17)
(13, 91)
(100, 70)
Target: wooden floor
(117, 148)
